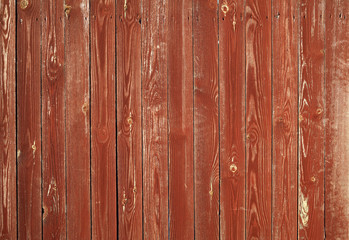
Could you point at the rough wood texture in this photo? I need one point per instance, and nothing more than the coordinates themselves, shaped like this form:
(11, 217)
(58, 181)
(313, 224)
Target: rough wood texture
(285, 117)
(8, 213)
(129, 125)
(337, 119)
(53, 127)
(77, 120)
(154, 107)
(206, 135)
(103, 125)
(311, 125)
(180, 120)
(232, 118)
(29, 120)
(258, 119)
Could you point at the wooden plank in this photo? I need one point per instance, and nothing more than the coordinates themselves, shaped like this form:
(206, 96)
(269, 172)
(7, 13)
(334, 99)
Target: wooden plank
(311, 128)
(129, 119)
(53, 127)
(29, 120)
(206, 123)
(180, 120)
(337, 117)
(77, 119)
(8, 213)
(285, 117)
(232, 118)
(103, 125)
(258, 119)
(154, 107)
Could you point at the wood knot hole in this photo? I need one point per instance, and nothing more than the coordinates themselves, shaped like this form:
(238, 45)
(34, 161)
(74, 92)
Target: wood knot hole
(319, 111)
(313, 179)
(23, 4)
(67, 9)
(233, 168)
(225, 9)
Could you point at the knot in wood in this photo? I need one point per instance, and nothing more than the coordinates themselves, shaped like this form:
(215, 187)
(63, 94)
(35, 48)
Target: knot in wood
(23, 4)
(233, 168)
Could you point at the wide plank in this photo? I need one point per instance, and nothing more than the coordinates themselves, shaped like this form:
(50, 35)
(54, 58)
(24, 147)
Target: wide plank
(53, 124)
(8, 211)
(311, 125)
(129, 119)
(103, 124)
(285, 117)
(206, 122)
(258, 119)
(337, 119)
(180, 120)
(154, 108)
(77, 119)
(232, 118)
(29, 158)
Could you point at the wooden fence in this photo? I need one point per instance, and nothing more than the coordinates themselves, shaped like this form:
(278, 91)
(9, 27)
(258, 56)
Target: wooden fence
(174, 119)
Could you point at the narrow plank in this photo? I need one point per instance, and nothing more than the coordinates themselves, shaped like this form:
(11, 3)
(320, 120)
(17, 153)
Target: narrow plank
(129, 119)
(180, 120)
(8, 213)
(206, 135)
(154, 107)
(103, 125)
(232, 118)
(337, 116)
(311, 128)
(29, 120)
(53, 127)
(285, 117)
(77, 118)
(258, 119)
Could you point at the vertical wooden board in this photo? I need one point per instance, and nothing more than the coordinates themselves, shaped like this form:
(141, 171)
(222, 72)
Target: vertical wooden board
(285, 117)
(129, 121)
(103, 125)
(311, 127)
(258, 119)
(29, 120)
(206, 125)
(53, 127)
(180, 120)
(337, 119)
(8, 216)
(232, 118)
(154, 108)
(77, 118)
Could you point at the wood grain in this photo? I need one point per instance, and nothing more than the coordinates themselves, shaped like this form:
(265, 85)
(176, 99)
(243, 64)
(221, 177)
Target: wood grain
(154, 107)
(77, 120)
(180, 120)
(232, 118)
(8, 213)
(285, 117)
(311, 127)
(129, 119)
(258, 119)
(103, 125)
(337, 119)
(28, 120)
(206, 123)
(53, 127)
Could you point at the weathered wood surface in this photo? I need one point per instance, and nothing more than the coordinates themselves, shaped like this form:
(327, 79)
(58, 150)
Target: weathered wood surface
(8, 213)
(285, 118)
(180, 120)
(232, 118)
(129, 119)
(206, 123)
(154, 108)
(53, 122)
(337, 119)
(258, 119)
(77, 119)
(103, 123)
(311, 125)
(29, 120)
